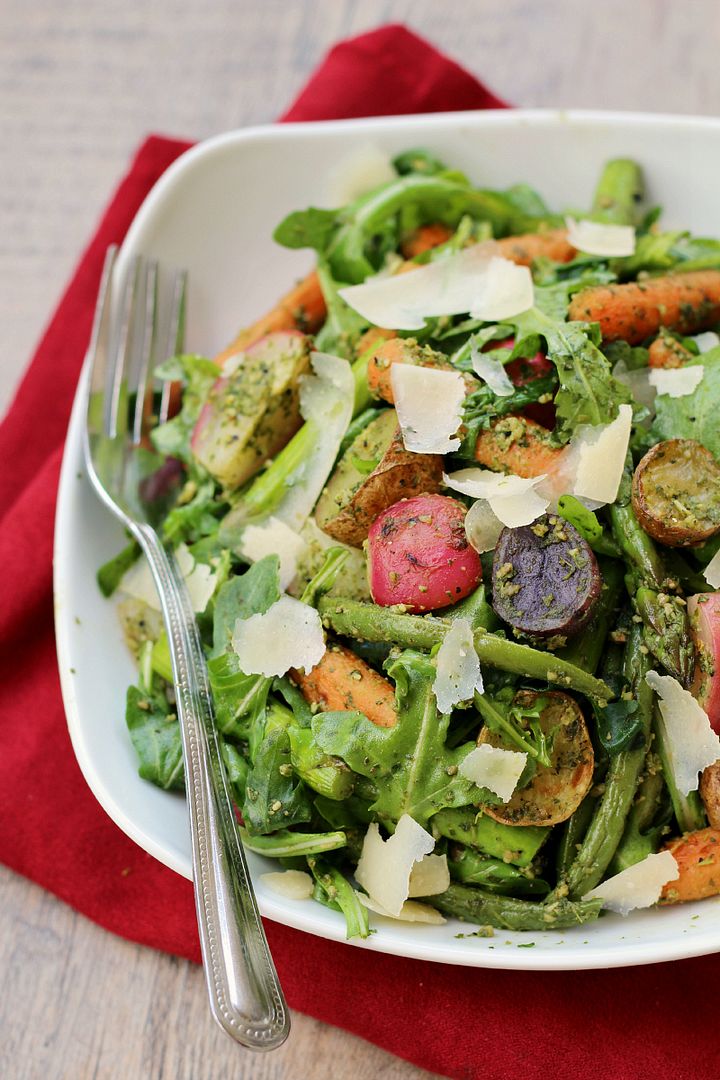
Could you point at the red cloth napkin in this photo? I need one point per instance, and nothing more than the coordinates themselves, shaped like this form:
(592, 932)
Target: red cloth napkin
(634, 1023)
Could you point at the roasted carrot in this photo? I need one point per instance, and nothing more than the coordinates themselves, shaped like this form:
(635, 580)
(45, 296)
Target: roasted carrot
(518, 445)
(303, 308)
(635, 311)
(666, 352)
(400, 351)
(425, 238)
(524, 249)
(374, 337)
(344, 682)
(698, 859)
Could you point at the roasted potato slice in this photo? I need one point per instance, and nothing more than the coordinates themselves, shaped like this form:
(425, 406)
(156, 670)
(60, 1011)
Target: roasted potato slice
(375, 471)
(676, 493)
(555, 792)
(710, 793)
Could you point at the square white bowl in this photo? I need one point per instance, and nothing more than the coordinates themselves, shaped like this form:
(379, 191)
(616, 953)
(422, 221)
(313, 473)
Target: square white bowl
(213, 212)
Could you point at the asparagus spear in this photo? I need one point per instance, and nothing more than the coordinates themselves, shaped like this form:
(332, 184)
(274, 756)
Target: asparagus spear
(369, 622)
(338, 890)
(505, 912)
(618, 192)
(688, 809)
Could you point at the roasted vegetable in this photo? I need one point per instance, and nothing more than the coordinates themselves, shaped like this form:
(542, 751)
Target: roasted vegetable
(546, 580)
(303, 309)
(555, 790)
(403, 351)
(704, 614)
(419, 556)
(344, 682)
(517, 445)
(710, 793)
(667, 352)
(375, 472)
(698, 858)
(676, 493)
(251, 413)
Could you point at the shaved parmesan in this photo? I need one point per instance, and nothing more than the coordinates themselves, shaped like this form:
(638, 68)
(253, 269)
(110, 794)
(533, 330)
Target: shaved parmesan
(274, 537)
(639, 886)
(601, 451)
(512, 499)
(482, 527)
(491, 372)
(429, 407)
(637, 382)
(597, 238)
(474, 280)
(458, 673)
(366, 167)
(690, 742)
(201, 581)
(326, 402)
(506, 289)
(411, 911)
(677, 382)
(292, 884)
(711, 573)
(430, 876)
(288, 635)
(707, 341)
(494, 768)
(385, 865)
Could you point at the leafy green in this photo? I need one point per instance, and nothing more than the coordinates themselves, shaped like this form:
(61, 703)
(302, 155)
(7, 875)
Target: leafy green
(251, 593)
(619, 725)
(413, 770)
(519, 724)
(155, 734)
(343, 325)
(194, 516)
(587, 524)
(111, 573)
(274, 797)
(197, 374)
(339, 892)
(236, 770)
(694, 416)
(483, 406)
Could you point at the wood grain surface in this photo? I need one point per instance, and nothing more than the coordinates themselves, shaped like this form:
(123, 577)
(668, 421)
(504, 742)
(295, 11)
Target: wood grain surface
(80, 84)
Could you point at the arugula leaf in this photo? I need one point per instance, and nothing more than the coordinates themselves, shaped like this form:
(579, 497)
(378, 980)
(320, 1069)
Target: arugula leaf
(112, 572)
(587, 524)
(251, 593)
(155, 734)
(618, 725)
(311, 228)
(274, 797)
(694, 416)
(236, 768)
(197, 374)
(194, 519)
(413, 770)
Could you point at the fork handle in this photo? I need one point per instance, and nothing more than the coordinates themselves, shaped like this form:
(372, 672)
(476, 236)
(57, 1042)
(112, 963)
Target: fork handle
(245, 995)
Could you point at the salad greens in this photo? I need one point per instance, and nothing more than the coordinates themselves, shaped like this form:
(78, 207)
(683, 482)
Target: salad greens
(407, 609)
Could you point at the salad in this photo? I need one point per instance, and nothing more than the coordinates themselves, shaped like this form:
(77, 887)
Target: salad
(449, 516)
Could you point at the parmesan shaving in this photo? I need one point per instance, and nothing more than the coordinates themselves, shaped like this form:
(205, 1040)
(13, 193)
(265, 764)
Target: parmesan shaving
(326, 401)
(639, 886)
(491, 372)
(385, 865)
(597, 238)
(474, 280)
(430, 876)
(292, 884)
(482, 527)
(458, 673)
(690, 742)
(506, 289)
(602, 450)
(411, 911)
(512, 499)
(365, 168)
(288, 635)
(493, 768)
(274, 537)
(429, 407)
(711, 573)
(677, 382)
(637, 382)
(201, 581)
(707, 341)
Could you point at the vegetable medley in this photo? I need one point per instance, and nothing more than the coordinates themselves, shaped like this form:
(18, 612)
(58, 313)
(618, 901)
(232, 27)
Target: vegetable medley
(449, 516)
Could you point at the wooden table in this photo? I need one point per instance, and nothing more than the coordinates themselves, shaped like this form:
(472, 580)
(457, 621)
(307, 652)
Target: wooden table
(80, 84)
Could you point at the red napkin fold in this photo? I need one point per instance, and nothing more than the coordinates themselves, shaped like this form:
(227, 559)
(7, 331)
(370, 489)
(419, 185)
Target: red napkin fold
(633, 1023)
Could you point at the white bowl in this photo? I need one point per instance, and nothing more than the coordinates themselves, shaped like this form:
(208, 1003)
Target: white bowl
(213, 212)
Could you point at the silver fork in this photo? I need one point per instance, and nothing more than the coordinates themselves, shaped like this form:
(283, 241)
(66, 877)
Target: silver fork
(245, 995)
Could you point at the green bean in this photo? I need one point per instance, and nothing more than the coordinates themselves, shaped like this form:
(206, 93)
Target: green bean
(688, 809)
(608, 822)
(618, 192)
(353, 618)
(284, 843)
(573, 834)
(476, 905)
